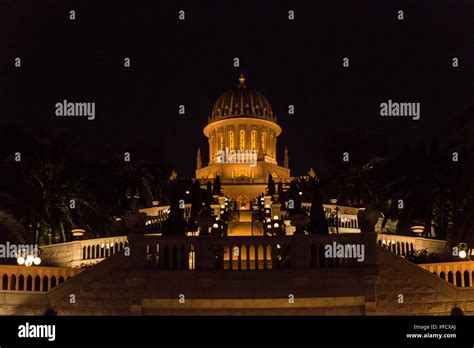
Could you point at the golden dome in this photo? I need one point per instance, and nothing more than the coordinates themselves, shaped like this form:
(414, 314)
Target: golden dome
(242, 102)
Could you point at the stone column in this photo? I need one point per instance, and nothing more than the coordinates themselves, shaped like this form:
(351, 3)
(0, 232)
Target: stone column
(236, 137)
(212, 140)
(225, 130)
(248, 130)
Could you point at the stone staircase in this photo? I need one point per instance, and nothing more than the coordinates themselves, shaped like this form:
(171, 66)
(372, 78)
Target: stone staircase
(404, 288)
(99, 290)
(241, 224)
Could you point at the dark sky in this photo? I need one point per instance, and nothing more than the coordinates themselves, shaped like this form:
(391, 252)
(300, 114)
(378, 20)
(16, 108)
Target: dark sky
(191, 62)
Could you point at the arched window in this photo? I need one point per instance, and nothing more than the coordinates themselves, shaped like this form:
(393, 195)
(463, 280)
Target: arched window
(5, 282)
(221, 141)
(13, 282)
(252, 257)
(466, 279)
(458, 279)
(264, 141)
(191, 258)
(53, 282)
(268, 257)
(226, 257)
(234, 257)
(21, 283)
(231, 140)
(29, 283)
(37, 283)
(243, 257)
(260, 256)
(45, 283)
(242, 139)
(253, 140)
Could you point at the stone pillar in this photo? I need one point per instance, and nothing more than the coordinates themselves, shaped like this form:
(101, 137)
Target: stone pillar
(276, 210)
(205, 258)
(272, 144)
(275, 147)
(300, 246)
(248, 130)
(212, 139)
(225, 131)
(267, 147)
(267, 200)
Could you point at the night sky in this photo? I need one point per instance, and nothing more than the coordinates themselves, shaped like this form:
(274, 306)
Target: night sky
(191, 62)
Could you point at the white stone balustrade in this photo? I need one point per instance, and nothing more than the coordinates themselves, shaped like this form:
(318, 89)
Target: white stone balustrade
(82, 252)
(407, 245)
(34, 278)
(460, 274)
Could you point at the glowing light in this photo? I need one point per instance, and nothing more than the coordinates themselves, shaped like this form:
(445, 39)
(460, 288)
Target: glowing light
(20, 260)
(30, 258)
(300, 193)
(215, 225)
(462, 254)
(275, 217)
(36, 261)
(276, 225)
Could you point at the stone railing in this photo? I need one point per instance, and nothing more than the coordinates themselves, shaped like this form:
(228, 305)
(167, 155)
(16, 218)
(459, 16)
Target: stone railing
(161, 212)
(157, 215)
(347, 221)
(406, 245)
(82, 252)
(460, 273)
(249, 253)
(34, 278)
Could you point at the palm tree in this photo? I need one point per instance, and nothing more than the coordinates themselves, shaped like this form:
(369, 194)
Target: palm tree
(419, 189)
(48, 191)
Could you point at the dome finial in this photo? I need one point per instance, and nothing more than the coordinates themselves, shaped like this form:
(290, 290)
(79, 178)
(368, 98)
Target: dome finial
(242, 80)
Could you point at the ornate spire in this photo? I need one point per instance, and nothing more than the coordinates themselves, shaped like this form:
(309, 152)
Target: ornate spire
(242, 81)
(198, 159)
